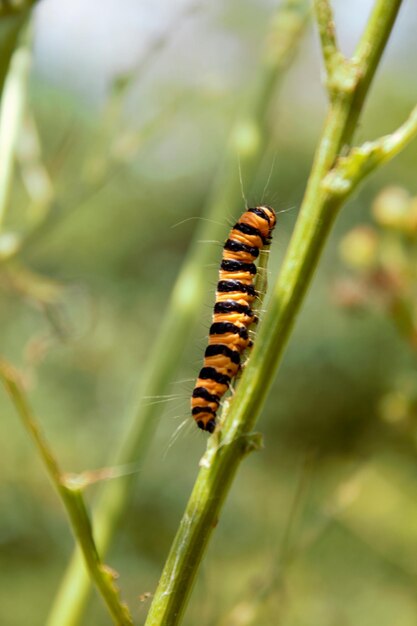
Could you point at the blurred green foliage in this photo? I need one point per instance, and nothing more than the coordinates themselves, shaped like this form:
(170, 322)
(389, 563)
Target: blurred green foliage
(81, 304)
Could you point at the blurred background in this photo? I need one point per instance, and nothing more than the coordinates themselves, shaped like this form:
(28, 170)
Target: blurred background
(129, 112)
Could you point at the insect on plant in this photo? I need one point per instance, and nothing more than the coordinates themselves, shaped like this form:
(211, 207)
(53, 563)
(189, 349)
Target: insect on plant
(228, 335)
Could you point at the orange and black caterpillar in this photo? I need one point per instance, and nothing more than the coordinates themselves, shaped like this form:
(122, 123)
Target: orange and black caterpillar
(228, 335)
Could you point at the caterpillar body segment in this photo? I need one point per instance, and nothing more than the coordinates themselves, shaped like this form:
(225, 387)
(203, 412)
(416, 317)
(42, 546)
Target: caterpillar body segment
(233, 314)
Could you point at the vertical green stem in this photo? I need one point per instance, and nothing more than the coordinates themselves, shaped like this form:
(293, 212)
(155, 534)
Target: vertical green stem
(11, 25)
(313, 225)
(11, 115)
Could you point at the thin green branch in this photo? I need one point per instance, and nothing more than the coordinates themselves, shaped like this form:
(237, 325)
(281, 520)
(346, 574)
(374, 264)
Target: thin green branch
(10, 28)
(11, 115)
(228, 446)
(326, 26)
(342, 74)
(350, 170)
(8, 7)
(366, 57)
(288, 25)
(71, 492)
(327, 31)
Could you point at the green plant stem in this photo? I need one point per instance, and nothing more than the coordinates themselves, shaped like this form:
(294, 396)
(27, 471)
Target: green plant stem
(227, 448)
(11, 115)
(11, 26)
(366, 57)
(8, 8)
(187, 296)
(70, 491)
(326, 27)
(350, 170)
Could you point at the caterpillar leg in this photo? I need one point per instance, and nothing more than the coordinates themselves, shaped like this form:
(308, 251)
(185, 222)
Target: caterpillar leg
(245, 362)
(247, 356)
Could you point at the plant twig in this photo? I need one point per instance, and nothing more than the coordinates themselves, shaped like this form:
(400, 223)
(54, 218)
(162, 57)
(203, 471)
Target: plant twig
(11, 25)
(318, 211)
(350, 170)
(70, 490)
(11, 115)
(15, 7)
(287, 28)
(327, 32)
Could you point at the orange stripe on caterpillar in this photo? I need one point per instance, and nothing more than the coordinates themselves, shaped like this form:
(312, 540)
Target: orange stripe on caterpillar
(228, 335)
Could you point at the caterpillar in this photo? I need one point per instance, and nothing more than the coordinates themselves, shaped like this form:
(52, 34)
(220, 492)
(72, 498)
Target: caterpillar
(228, 334)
